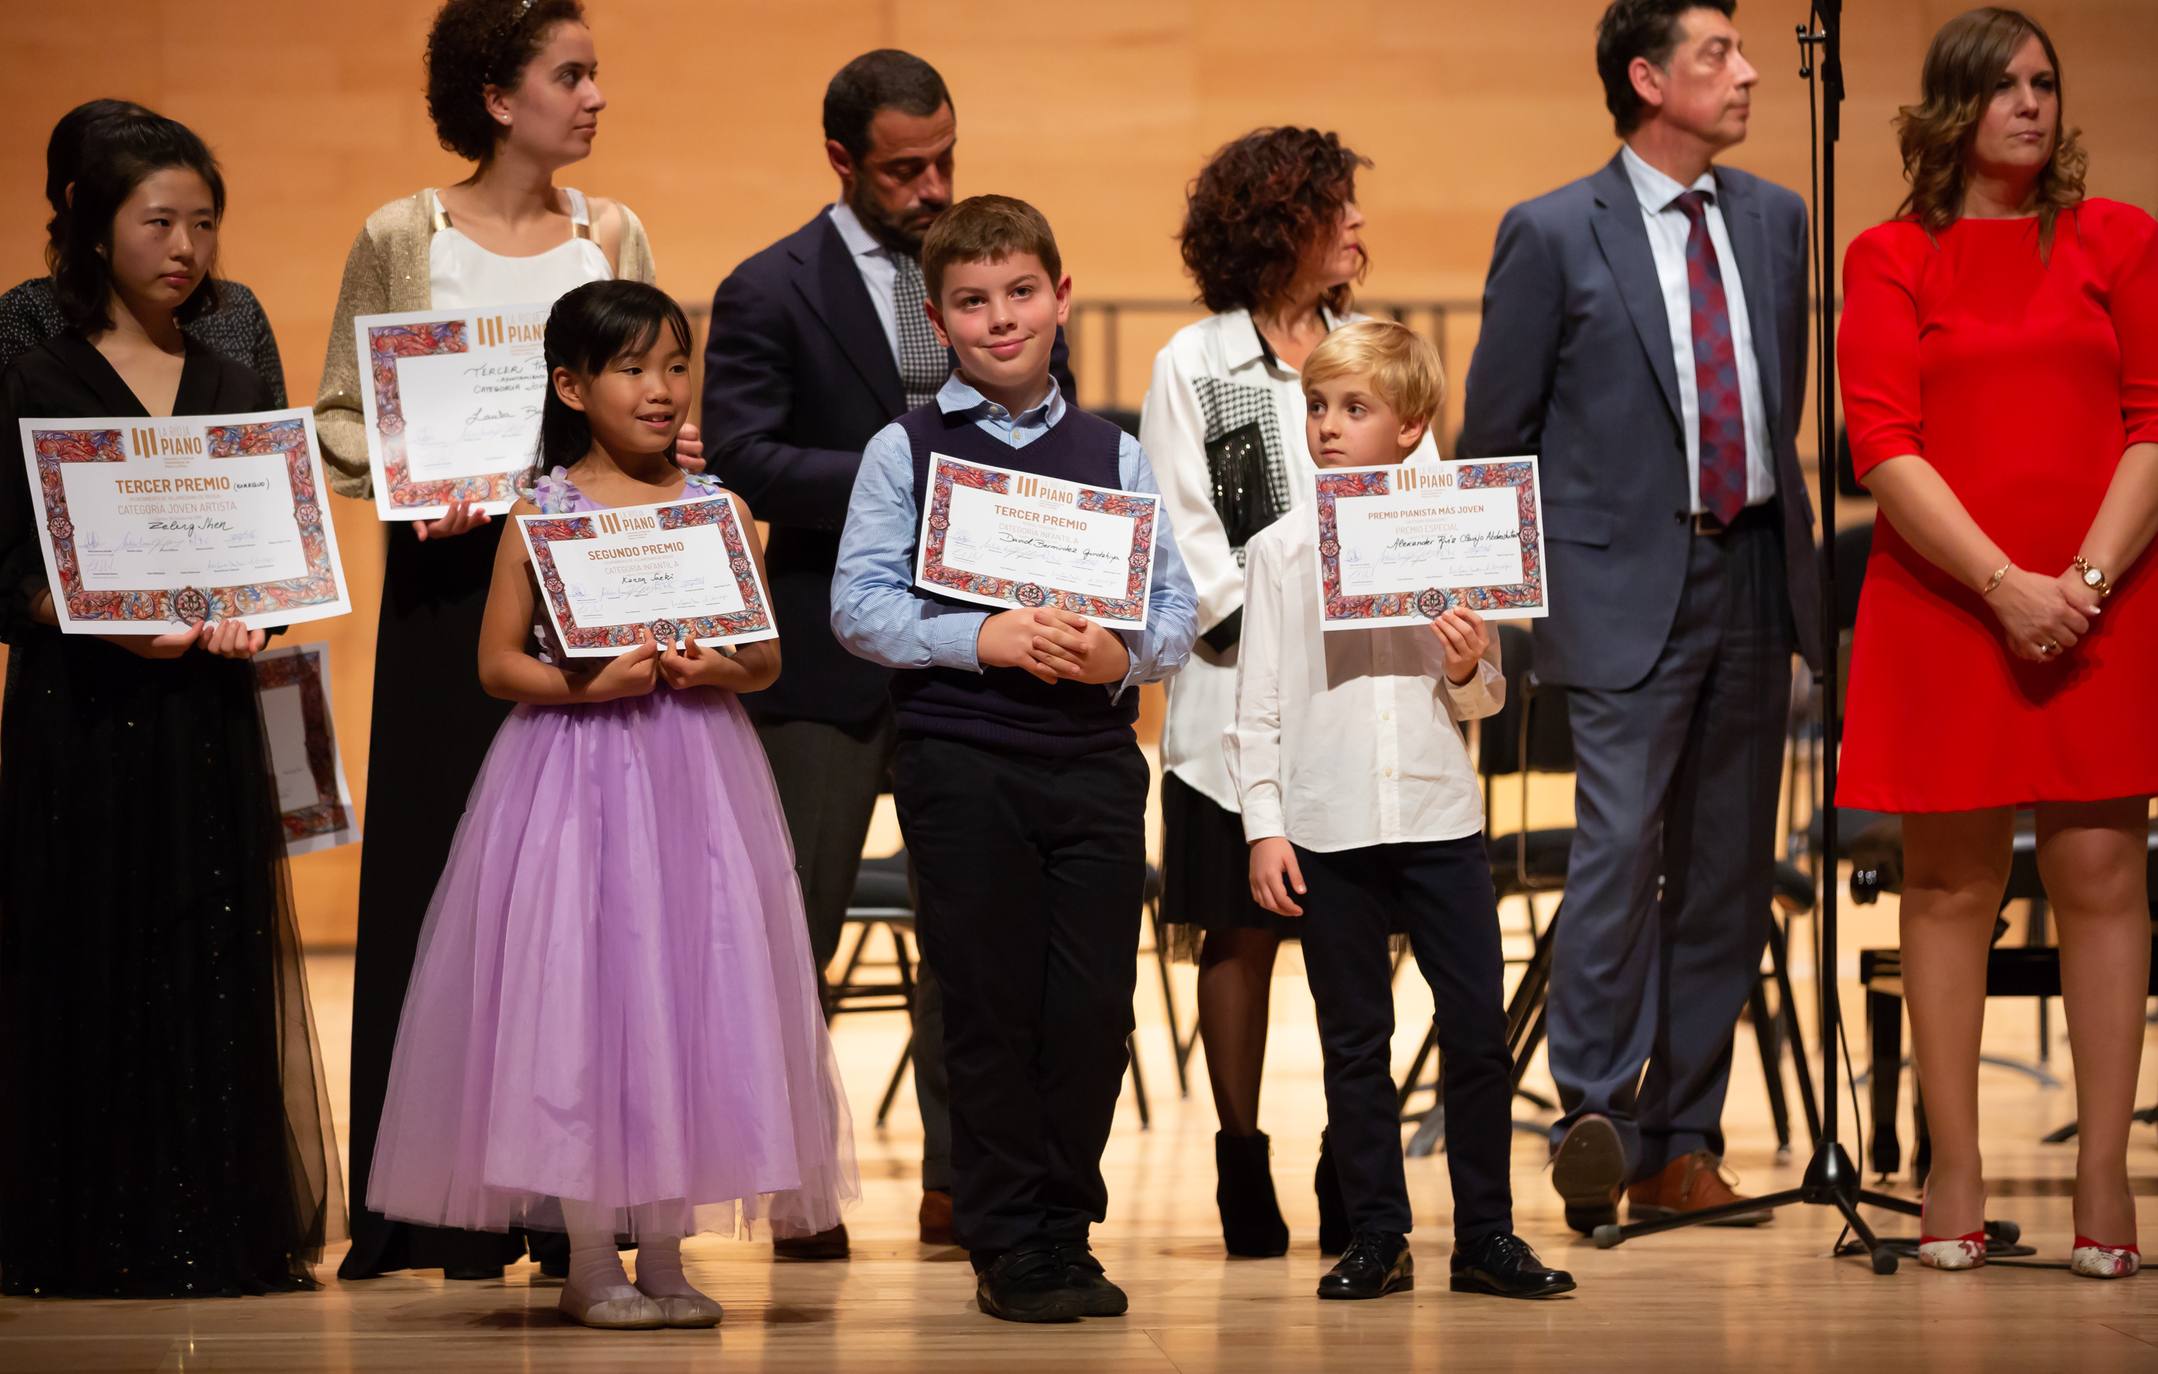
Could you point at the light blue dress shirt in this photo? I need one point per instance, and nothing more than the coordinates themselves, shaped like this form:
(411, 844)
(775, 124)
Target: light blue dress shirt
(878, 613)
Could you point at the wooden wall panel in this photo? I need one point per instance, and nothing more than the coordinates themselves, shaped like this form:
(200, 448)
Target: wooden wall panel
(1099, 111)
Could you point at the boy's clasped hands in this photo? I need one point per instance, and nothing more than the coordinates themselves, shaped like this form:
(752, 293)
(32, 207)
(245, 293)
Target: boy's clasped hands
(1053, 645)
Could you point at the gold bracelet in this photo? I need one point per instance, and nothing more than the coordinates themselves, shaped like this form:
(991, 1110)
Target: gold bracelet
(1995, 580)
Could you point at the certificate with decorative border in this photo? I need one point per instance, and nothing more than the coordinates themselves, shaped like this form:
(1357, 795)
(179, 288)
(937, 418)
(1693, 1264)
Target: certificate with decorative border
(680, 569)
(1004, 538)
(293, 685)
(1400, 545)
(452, 400)
(151, 524)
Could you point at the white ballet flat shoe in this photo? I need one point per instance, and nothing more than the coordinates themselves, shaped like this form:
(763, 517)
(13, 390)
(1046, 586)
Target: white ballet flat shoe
(612, 1309)
(692, 1311)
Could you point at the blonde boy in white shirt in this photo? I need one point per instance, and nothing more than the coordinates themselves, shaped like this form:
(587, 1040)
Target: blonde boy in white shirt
(1365, 819)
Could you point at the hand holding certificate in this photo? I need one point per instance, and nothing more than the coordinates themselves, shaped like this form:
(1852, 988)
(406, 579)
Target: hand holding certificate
(452, 402)
(997, 537)
(1400, 545)
(678, 570)
(150, 524)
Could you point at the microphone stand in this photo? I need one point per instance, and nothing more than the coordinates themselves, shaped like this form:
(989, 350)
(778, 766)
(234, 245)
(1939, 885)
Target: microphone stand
(1832, 1179)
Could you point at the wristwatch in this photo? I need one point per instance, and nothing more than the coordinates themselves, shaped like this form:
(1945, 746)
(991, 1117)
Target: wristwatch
(2092, 578)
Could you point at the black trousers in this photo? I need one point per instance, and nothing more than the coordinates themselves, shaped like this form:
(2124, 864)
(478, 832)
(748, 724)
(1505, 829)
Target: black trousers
(828, 778)
(1032, 871)
(1439, 894)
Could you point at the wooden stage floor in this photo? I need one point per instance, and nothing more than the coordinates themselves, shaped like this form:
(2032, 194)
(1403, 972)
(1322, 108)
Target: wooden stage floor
(1755, 1300)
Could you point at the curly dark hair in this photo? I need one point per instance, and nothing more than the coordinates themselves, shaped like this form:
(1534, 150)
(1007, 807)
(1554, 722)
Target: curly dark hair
(1963, 64)
(1257, 207)
(475, 44)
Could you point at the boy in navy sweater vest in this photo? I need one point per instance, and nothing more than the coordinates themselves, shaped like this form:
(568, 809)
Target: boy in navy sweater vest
(1019, 783)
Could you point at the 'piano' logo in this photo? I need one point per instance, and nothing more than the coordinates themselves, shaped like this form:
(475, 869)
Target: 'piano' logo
(610, 523)
(151, 442)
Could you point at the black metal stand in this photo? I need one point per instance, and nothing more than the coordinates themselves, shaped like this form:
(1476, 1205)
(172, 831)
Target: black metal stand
(1832, 1179)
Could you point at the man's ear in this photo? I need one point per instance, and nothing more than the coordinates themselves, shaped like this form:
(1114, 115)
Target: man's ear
(567, 388)
(1648, 81)
(842, 161)
(1064, 299)
(936, 322)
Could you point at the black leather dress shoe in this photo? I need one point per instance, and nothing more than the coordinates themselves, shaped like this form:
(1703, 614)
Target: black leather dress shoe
(1031, 1284)
(1504, 1266)
(1588, 1171)
(1098, 1297)
(824, 1245)
(471, 1273)
(1374, 1264)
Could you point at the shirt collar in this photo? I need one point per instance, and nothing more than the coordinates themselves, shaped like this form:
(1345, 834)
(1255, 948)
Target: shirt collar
(1241, 344)
(1656, 189)
(853, 233)
(958, 396)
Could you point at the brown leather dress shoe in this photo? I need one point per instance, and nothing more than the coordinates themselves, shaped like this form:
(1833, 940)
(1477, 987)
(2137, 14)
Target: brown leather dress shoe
(824, 1245)
(936, 1217)
(1690, 1183)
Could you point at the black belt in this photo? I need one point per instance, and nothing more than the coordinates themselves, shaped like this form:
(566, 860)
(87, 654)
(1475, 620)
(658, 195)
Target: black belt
(1766, 515)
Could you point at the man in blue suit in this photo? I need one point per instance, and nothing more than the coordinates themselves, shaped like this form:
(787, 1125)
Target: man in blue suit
(1644, 331)
(818, 342)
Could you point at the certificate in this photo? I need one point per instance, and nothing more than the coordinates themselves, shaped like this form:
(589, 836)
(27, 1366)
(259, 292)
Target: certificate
(680, 569)
(1003, 538)
(452, 400)
(293, 685)
(150, 524)
(1400, 545)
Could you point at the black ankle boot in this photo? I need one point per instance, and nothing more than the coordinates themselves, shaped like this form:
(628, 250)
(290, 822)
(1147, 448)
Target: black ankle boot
(1333, 1212)
(1251, 1224)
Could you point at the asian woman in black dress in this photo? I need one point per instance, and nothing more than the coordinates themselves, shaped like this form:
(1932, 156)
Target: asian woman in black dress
(167, 1131)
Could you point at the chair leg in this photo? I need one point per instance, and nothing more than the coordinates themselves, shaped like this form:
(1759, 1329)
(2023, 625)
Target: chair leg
(1764, 1035)
(1884, 1024)
(1178, 1055)
(1793, 1035)
(1412, 1081)
(899, 1074)
(1138, 1082)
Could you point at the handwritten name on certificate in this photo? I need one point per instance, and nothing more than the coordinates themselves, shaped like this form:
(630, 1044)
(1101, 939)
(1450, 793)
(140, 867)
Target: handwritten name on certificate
(452, 400)
(680, 569)
(1003, 538)
(1400, 545)
(293, 684)
(151, 524)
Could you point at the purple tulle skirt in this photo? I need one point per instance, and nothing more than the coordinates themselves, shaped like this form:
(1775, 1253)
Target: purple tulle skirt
(612, 1001)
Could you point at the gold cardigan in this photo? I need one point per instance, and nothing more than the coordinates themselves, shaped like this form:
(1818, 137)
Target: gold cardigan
(387, 271)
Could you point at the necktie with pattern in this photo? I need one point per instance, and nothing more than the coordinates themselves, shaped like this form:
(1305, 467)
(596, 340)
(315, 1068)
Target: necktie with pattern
(923, 365)
(1715, 369)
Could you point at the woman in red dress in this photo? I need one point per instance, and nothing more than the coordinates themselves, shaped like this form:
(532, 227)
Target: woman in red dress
(2000, 379)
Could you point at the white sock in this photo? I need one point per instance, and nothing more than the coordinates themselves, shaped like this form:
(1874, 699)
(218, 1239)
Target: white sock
(659, 1269)
(595, 1266)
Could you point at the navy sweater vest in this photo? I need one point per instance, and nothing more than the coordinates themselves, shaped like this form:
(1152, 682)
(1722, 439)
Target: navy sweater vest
(1006, 708)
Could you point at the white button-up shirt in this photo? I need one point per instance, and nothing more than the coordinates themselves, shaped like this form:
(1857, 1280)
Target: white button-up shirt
(1215, 376)
(1349, 739)
(880, 274)
(1668, 228)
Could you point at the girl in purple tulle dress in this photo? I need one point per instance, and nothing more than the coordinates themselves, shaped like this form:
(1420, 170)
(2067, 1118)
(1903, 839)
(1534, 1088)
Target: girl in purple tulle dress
(613, 1026)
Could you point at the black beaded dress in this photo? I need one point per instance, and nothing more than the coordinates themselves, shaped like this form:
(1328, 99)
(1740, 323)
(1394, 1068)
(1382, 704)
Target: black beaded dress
(164, 1125)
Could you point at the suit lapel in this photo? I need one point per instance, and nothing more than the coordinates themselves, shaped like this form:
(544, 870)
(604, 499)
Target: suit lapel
(1624, 241)
(832, 285)
(1749, 244)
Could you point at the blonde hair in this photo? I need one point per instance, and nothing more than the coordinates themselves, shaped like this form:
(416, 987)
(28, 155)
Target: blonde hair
(1401, 364)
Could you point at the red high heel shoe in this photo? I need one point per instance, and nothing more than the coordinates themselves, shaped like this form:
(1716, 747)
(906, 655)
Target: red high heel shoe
(2095, 1261)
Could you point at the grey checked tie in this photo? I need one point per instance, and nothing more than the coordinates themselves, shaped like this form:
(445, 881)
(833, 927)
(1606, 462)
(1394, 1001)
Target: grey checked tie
(923, 365)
